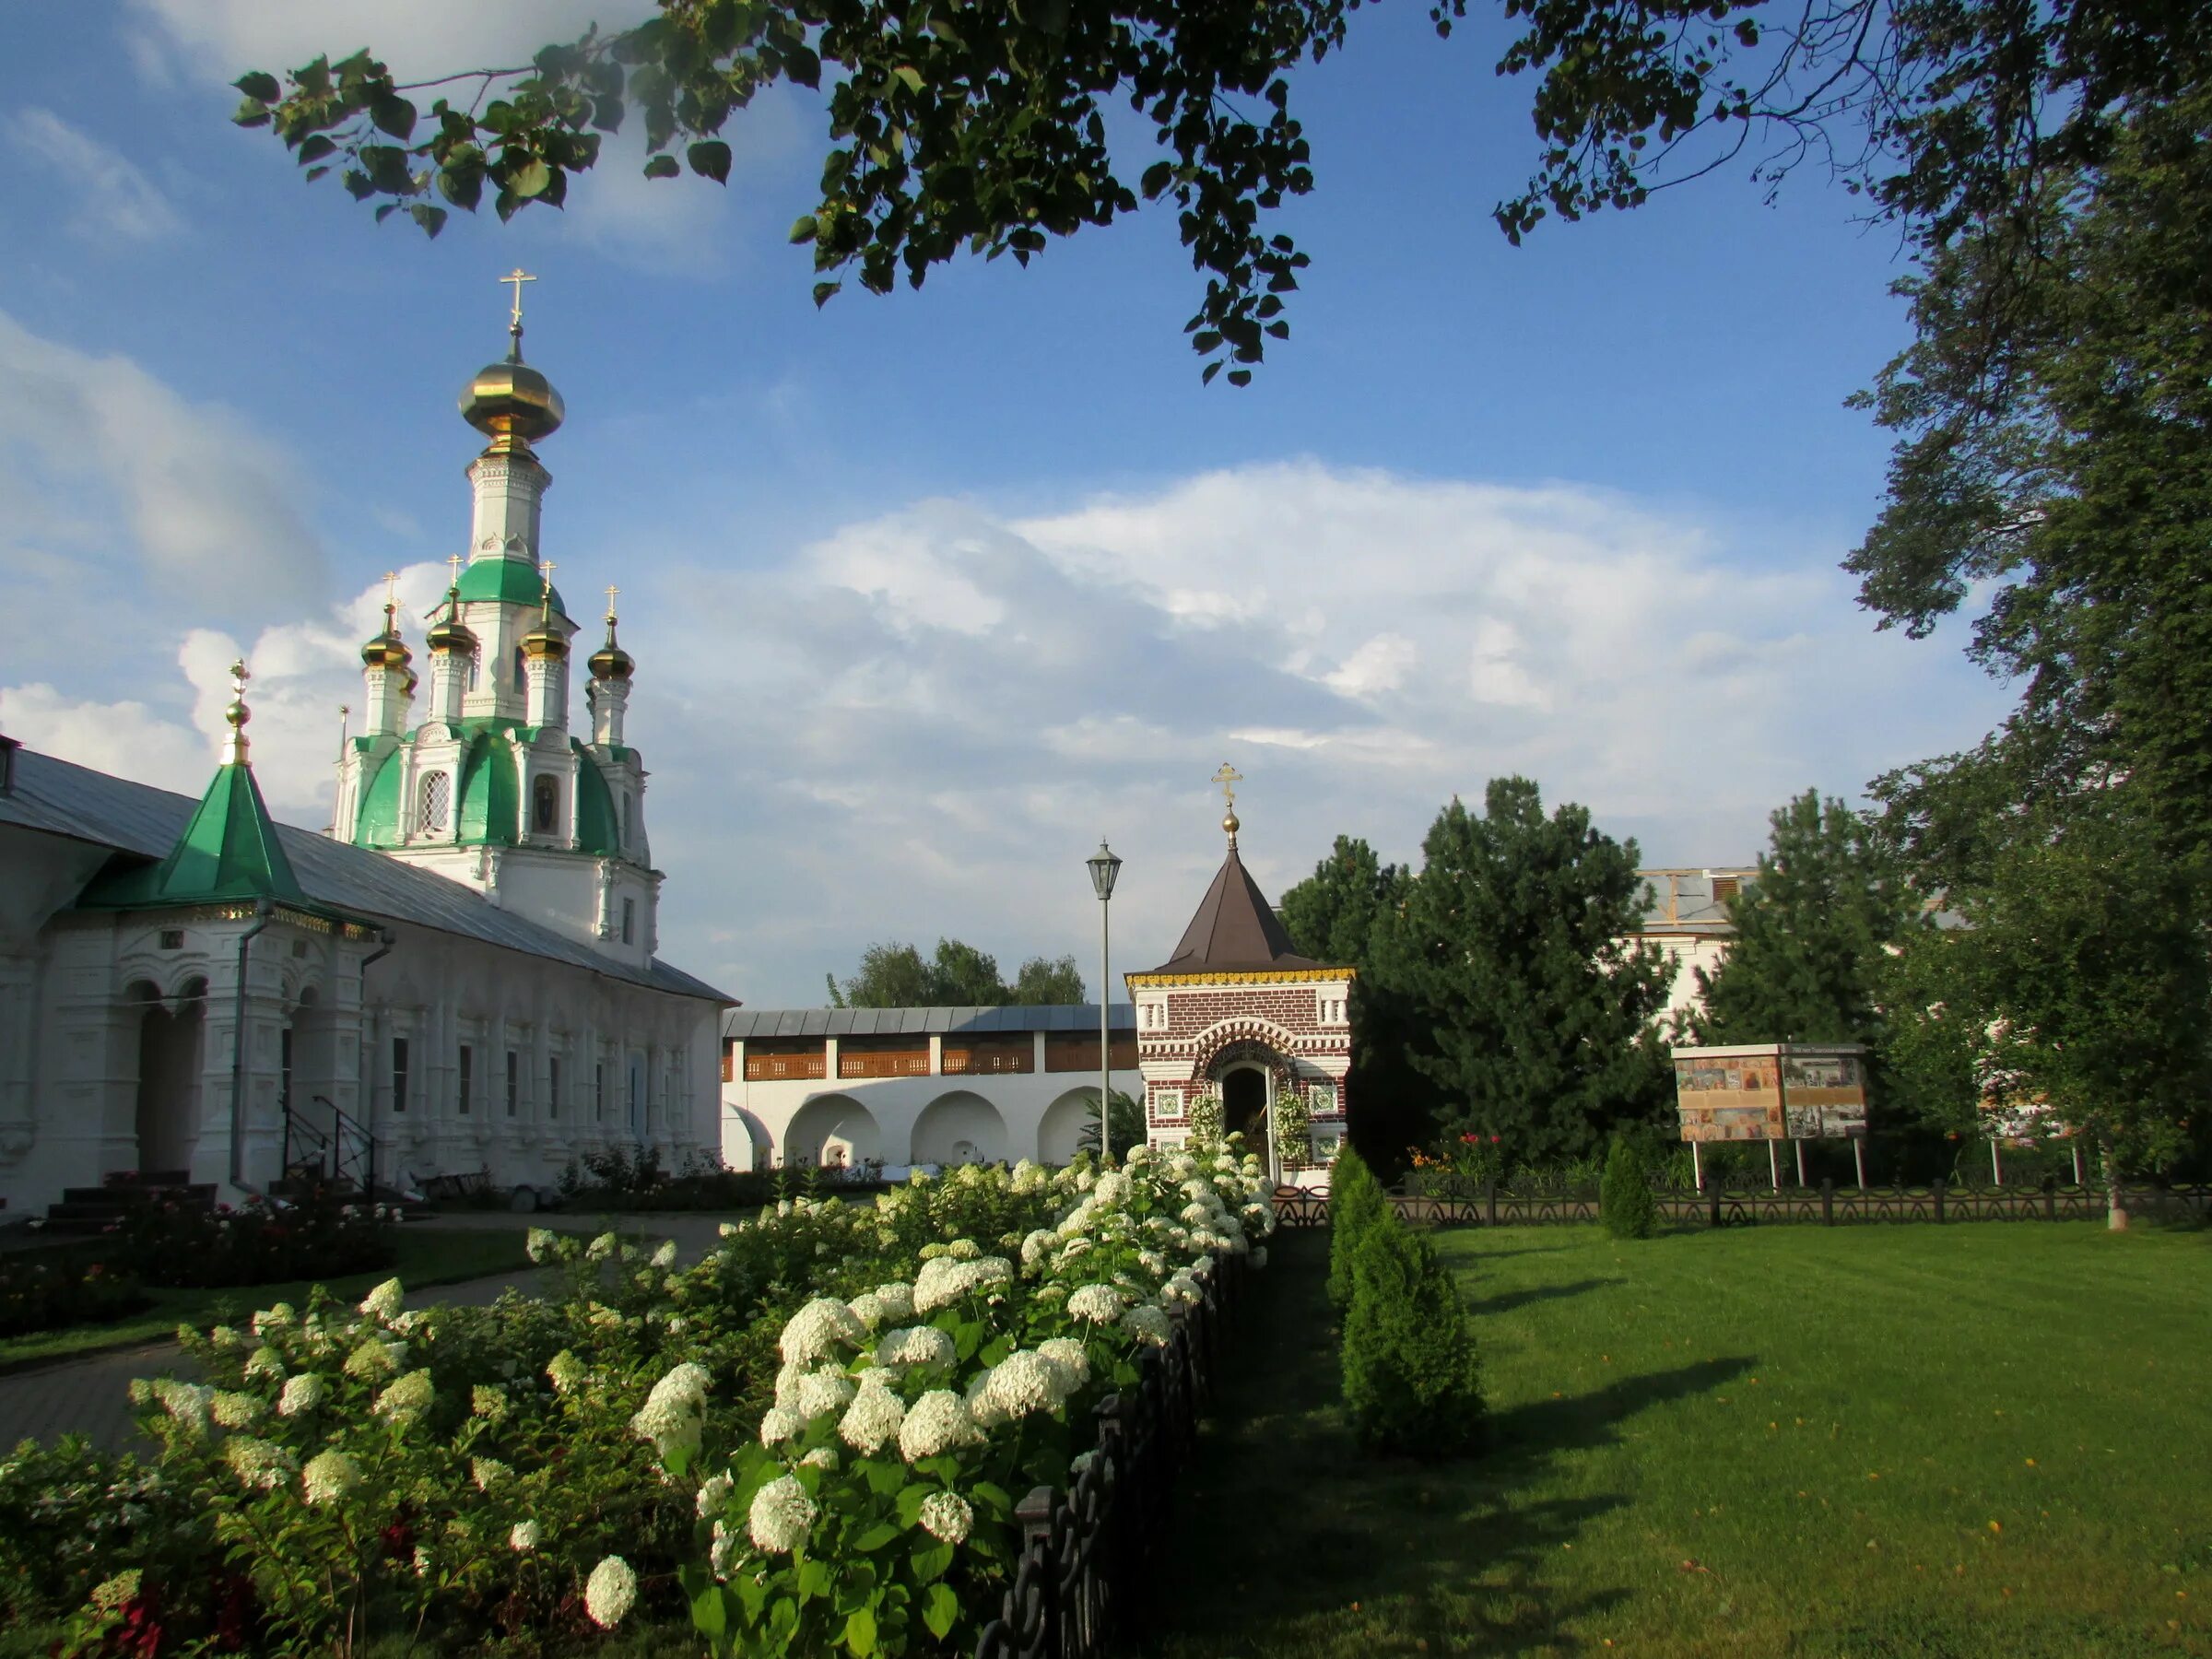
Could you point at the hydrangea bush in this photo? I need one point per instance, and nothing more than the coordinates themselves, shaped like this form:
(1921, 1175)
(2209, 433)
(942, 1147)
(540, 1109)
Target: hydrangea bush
(814, 1435)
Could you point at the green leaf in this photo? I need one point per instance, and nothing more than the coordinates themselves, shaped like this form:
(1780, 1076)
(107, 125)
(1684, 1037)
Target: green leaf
(385, 210)
(939, 1609)
(822, 291)
(1212, 369)
(662, 167)
(251, 113)
(315, 148)
(260, 86)
(710, 158)
(994, 1497)
(1157, 178)
(860, 1634)
(932, 1560)
(432, 221)
(876, 1536)
(1239, 377)
(532, 178)
(710, 1612)
(803, 229)
(814, 1579)
(910, 75)
(393, 115)
(911, 1500)
(885, 1476)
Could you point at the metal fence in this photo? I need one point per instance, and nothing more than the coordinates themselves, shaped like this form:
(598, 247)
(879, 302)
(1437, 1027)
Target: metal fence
(1826, 1205)
(1088, 1551)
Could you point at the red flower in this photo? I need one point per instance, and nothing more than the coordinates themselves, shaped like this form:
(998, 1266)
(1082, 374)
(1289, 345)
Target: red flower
(1494, 1140)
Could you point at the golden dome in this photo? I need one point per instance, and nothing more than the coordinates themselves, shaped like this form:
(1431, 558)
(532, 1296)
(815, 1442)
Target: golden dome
(451, 633)
(387, 650)
(511, 403)
(545, 641)
(610, 662)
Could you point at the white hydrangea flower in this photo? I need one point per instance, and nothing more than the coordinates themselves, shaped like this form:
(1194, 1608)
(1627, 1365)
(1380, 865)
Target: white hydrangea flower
(675, 1412)
(983, 1409)
(1197, 1215)
(329, 1476)
(914, 1345)
(821, 1457)
(945, 1281)
(1034, 1247)
(779, 1424)
(598, 1250)
(1072, 1359)
(266, 1364)
(823, 1391)
(1023, 1383)
(187, 1404)
(303, 1393)
(665, 1257)
(386, 1301)
(873, 1420)
(897, 1301)
(374, 1359)
(234, 1410)
(946, 1516)
(715, 1494)
(259, 1463)
(722, 1555)
(487, 1471)
(523, 1536)
(867, 1307)
(565, 1373)
(781, 1516)
(936, 1423)
(1112, 1188)
(1098, 1304)
(1183, 1288)
(486, 1402)
(963, 1250)
(610, 1590)
(275, 1318)
(536, 1242)
(817, 1331)
(1147, 1324)
(407, 1399)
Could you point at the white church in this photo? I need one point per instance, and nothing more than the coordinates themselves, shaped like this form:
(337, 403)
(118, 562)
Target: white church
(458, 979)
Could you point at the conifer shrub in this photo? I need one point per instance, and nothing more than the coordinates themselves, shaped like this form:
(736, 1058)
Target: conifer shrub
(1624, 1198)
(1356, 1202)
(1412, 1380)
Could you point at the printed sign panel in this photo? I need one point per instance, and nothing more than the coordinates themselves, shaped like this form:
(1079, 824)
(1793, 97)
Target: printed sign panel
(1770, 1094)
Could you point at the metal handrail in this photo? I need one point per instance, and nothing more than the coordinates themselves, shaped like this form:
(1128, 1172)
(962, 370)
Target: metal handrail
(345, 1150)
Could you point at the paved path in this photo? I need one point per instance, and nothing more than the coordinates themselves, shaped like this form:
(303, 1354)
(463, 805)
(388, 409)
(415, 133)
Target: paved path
(90, 1397)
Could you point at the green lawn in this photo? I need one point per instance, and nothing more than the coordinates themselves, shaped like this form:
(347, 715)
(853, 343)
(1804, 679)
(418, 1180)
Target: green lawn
(427, 1255)
(1900, 1442)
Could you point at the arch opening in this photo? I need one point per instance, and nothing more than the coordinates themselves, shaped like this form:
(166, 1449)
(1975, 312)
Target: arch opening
(959, 1128)
(832, 1131)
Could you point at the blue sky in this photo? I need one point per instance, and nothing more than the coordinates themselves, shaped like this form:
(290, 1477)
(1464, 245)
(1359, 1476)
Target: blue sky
(930, 590)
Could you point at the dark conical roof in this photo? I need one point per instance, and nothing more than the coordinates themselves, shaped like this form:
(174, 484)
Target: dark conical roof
(1235, 931)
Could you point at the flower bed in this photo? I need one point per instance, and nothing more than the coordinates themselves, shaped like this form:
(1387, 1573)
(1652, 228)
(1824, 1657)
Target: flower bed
(808, 1440)
(41, 1291)
(167, 1240)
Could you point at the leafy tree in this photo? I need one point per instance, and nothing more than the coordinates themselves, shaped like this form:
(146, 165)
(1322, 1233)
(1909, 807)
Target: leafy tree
(1530, 1014)
(1334, 916)
(2077, 987)
(1624, 1197)
(956, 976)
(1039, 982)
(981, 127)
(1811, 933)
(1412, 1382)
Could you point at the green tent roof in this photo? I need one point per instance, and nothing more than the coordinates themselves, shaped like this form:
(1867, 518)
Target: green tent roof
(508, 581)
(228, 850)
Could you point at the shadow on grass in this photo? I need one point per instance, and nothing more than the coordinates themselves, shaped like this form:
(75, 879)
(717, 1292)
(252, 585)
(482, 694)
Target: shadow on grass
(1289, 1542)
(1507, 1302)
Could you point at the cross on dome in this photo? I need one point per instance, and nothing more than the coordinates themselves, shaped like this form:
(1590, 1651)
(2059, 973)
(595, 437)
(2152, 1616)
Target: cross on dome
(517, 278)
(1229, 777)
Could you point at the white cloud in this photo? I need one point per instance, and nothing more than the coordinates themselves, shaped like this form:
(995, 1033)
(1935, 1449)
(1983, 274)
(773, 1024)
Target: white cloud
(109, 465)
(220, 39)
(127, 738)
(110, 199)
(922, 724)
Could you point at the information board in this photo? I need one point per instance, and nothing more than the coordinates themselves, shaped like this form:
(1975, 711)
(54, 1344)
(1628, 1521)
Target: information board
(1770, 1093)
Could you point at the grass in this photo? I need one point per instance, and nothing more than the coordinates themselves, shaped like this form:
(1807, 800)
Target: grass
(424, 1256)
(1902, 1443)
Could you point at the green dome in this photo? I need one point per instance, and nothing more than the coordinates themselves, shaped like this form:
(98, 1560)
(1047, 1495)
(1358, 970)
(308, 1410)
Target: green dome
(508, 582)
(491, 792)
(597, 830)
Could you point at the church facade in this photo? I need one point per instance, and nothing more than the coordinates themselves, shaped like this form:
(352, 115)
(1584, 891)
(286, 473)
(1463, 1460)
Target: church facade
(460, 977)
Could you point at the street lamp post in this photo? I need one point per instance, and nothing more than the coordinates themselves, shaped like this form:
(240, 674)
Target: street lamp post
(1104, 867)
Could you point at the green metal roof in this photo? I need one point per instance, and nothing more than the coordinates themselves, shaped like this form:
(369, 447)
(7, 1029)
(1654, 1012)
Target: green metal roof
(228, 850)
(510, 582)
(596, 828)
(490, 792)
(489, 795)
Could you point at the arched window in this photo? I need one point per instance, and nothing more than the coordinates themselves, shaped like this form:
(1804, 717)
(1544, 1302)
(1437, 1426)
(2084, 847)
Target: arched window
(544, 806)
(476, 666)
(522, 674)
(437, 801)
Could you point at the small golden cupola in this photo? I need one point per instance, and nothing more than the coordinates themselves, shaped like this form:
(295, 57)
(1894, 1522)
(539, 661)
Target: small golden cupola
(387, 650)
(451, 634)
(509, 402)
(610, 662)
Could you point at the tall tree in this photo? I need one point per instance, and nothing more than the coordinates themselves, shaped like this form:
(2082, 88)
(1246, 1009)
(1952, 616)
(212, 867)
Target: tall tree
(1041, 981)
(982, 126)
(963, 976)
(1812, 933)
(1334, 916)
(2077, 988)
(1531, 1010)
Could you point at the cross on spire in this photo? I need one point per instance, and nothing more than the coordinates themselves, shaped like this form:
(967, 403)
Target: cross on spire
(611, 591)
(1229, 777)
(544, 570)
(516, 277)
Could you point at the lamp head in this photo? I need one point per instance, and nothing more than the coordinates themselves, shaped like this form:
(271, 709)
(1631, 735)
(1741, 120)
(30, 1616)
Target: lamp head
(1104, 867)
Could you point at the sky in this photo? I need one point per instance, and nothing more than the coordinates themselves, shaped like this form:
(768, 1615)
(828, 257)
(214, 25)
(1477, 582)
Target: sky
(930, 592)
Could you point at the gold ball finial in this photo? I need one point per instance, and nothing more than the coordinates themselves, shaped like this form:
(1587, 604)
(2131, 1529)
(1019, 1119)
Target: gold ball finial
(1229, 825)
(237, 714)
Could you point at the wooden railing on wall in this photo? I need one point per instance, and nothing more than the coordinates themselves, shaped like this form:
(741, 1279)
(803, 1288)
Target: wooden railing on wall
(773, 1068)
(990, 1059)
(1081, 1054)
(882, 1063)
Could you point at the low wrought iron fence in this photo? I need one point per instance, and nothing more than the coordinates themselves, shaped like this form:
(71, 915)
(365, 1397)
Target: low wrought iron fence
(1826, 1205)
(1087, 1550)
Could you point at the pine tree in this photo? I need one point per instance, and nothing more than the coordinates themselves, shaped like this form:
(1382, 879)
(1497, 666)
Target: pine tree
(1531, 1012)
(1412, 1382)
(1356, 1203)
(1812, 934)
(1624, 1199)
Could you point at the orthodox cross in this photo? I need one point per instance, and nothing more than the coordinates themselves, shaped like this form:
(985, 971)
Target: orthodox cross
(517, 278)
(545, 568)
(391, 589)
(611, 591)
(456, 561)
(1229, 777)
